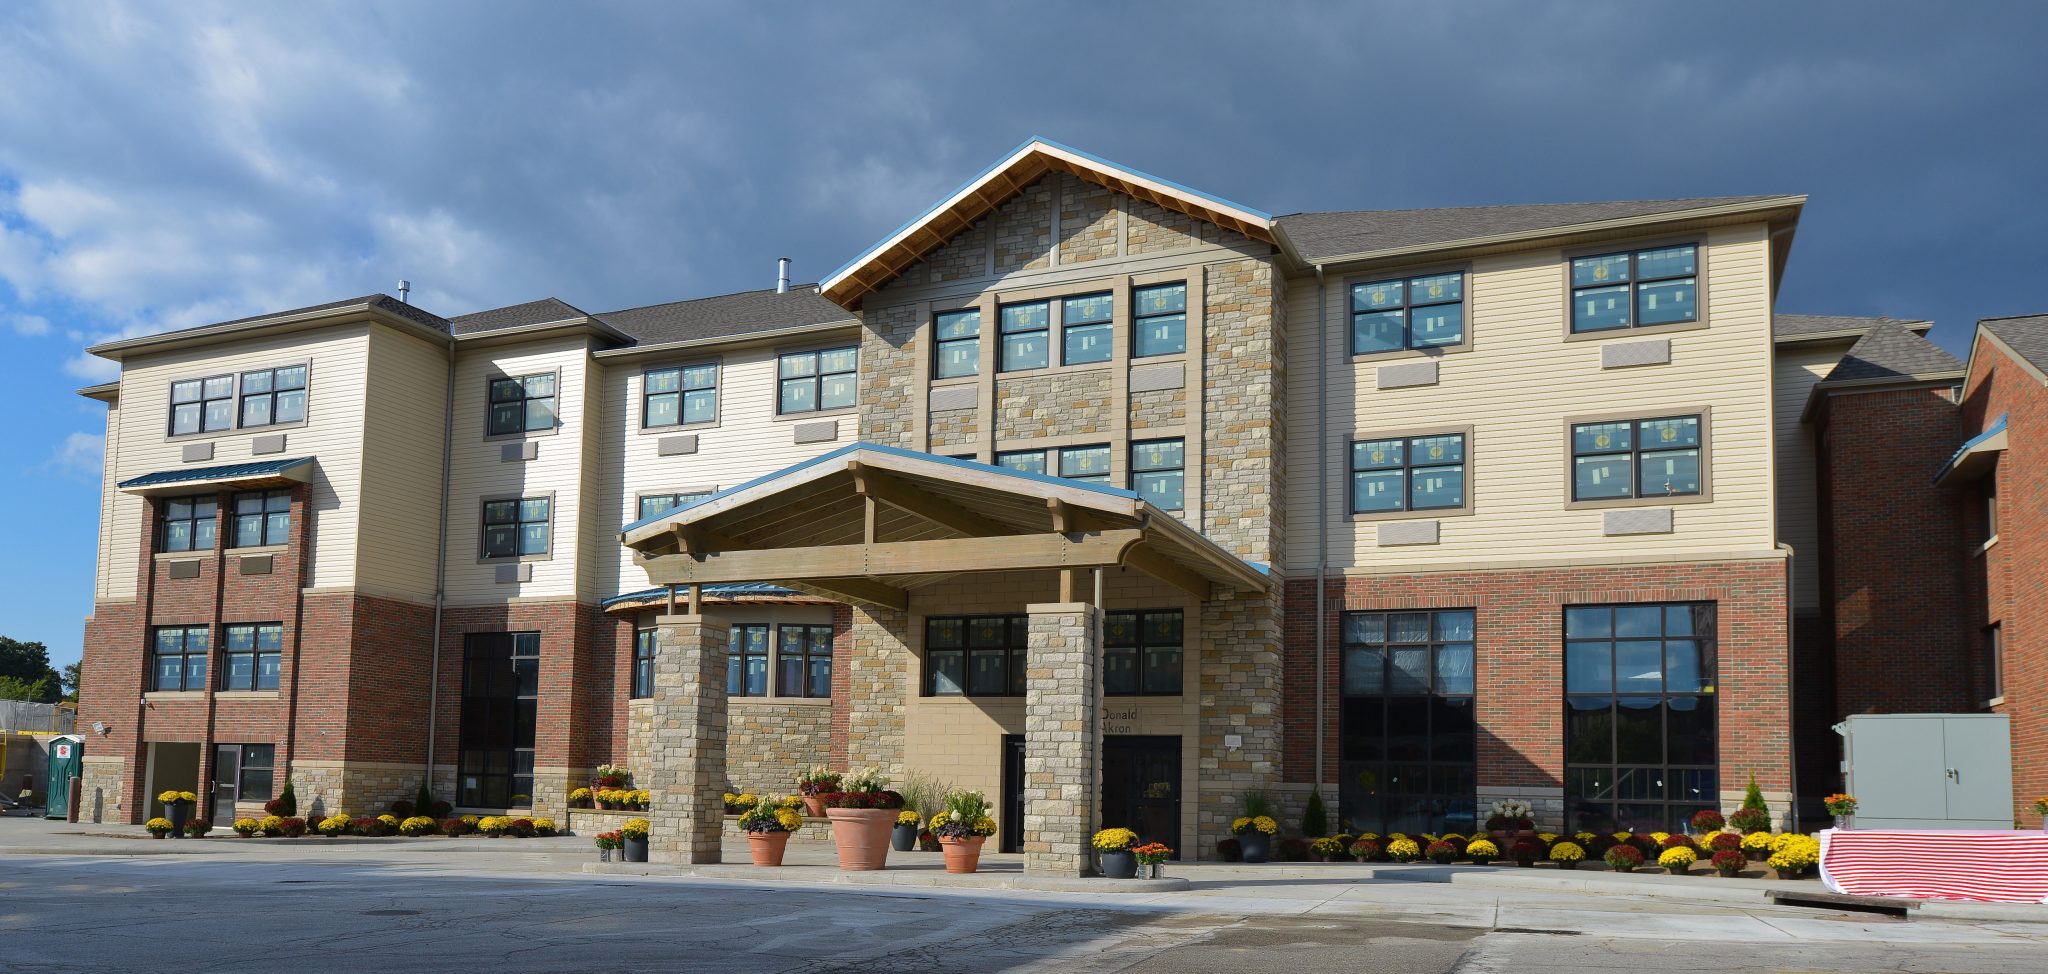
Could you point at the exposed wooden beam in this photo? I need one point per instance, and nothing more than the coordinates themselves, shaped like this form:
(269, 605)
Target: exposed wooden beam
(858, 590)
(1010, 553)
(1062, 515)
(877, 485)
(1172, 573)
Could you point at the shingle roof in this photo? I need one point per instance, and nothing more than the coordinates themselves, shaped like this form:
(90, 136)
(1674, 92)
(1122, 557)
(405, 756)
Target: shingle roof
(1318, 236)
(384, 302)
(1893, 351)
(513, 316)
(1809, 326)
(2027, 336)
(232, 471)
(726, 315)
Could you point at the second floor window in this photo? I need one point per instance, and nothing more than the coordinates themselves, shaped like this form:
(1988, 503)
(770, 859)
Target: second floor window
(1158, 472)
(1141, 653)
(1636, 289)
(203, 405)
(1414, 473)
(652, 505)
(957, 337)
(190, 523)
(1636, 458)
(1160, 320)
(1085, 328)
(1087, 464)
(803, 661)
(645, 642)
(513, 528)
(263, 518)
(1027, 331)
(981, 656)
(274, 396)
(680, 396)
(813, 381)
(523, 404)
(1415, 312)
(179, 658)
(251, 661)
(746, 672)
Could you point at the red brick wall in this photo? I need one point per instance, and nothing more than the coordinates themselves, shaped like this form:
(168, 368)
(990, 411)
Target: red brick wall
(1520, 673)
(1896, 581)
(566, 648)
(2009, 581)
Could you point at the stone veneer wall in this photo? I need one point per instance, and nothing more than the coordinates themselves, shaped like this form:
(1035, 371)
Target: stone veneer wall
(1088, 218)
(1062, 402)
(877, 663)
(1024, 230)
(769, 743)
(1239, 683)
(955, 428)
(1062, 737)
(888, 366)
(686, 763)
(1243, 389)
(1160, 407)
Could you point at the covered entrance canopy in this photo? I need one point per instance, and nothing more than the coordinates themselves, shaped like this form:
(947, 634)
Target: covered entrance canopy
(870, 524)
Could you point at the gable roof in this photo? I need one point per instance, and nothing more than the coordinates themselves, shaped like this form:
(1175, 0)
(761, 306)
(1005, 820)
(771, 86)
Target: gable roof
(1334, 235)
(2026, 336)
(1892, 352)
(514, 316)
(994, 186)
(381, 304)
(726, 316)
(1807, 328)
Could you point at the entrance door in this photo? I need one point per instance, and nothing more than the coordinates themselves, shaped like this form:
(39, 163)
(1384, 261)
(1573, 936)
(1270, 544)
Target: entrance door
(1141, 787)
(1013, 793)
(173, 765)
(227, 770)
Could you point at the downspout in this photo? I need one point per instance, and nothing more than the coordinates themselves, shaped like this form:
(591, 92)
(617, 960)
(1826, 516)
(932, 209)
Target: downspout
(440, 569)
(1791, 675)
(1322, 515)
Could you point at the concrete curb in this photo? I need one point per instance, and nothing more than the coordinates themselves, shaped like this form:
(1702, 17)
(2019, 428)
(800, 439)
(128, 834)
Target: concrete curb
(119, 845)
(891, 877)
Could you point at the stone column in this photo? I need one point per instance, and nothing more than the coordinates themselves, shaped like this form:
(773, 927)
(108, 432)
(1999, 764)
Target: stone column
(686, 750)
(1062, 738)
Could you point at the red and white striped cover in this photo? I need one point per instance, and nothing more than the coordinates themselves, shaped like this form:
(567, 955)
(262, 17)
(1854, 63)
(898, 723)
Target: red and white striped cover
(1989, 867)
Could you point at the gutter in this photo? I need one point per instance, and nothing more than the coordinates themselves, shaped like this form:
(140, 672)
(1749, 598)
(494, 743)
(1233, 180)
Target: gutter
(764, 335)
(440, 571)
(1791, 677)
(1322, 515)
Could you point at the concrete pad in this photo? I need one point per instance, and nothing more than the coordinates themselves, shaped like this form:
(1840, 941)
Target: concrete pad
(939, 878)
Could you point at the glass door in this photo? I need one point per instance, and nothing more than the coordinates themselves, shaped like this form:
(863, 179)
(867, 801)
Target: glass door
(1141, 787)
(227, 770)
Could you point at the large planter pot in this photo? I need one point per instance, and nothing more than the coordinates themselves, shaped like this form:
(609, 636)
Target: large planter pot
(814, 806)
(636, 850)
(862, 836)
(767, 847)
(963, 855)
(903, 838)
(1257, 846)
(1121, 865)
(179, 813)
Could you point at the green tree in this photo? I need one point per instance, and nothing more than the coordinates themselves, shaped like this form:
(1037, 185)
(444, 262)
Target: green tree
(69, 678)
(1315, 822)
(42, 690)
(25, 672)
(1754, 797)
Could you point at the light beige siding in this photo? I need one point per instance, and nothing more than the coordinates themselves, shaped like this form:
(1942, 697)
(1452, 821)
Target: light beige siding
(113, 579)
(402, 443)
(1516, 387)
(333, 434)
(1797, 370)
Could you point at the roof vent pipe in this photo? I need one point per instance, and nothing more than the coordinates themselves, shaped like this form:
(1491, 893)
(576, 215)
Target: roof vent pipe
(782, 275)
(404, 288)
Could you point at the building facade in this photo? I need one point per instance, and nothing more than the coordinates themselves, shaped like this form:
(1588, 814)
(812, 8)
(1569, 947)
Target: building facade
(1417, 509)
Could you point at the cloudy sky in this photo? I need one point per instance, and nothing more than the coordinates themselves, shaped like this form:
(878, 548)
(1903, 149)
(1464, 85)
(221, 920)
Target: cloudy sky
(165, 165)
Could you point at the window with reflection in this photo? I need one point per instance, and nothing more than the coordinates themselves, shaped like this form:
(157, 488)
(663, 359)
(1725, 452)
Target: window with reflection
(1027, 336)
(1159, 320)
(803, 660)
(1415, 473)
(202, 405)
(654, 505)
(1085, 328)
(1413, 312)
(262, 517)
(251, 660)
(190, 523)
(1141, 653)
(178, 658)
(524, 404)
(975, 656)
(274, 396)
(811, 381)
(515, 528)
(1636, 458)
(646, 642)
(956, 340)
(679, 396)
(746, 671)
(1635, 289)
(1409, 746)
(1158, 472)
(1639, 737)
(500, 711)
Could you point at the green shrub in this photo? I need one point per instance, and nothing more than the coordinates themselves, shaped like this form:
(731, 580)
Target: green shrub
(1315, 822)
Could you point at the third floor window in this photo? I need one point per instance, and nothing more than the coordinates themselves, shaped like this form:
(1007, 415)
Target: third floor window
(1160, 322)
(1027, 336)
(652, 505)
(957, 337)
(203, 405)
(814, 381)
(274, 397)
(1413, 473)
(513, 528)
(680, 396)
(522, 404)
(1635, 289)
(1414, 312)
(1085, 328)
(1636, 458)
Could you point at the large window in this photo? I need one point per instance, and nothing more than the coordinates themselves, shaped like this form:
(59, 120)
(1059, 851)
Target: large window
(978, 656)
(179, 657)
(1158, 472)
(1409, 747)
(203, 405)
(811, 381)
(1160, 320)
(513, 528)
(957, 343)
(1639, 733)
(645, 643)
(1635, 289)
(1414, 312)
(523, 404)
(656, 504)
(1141, 653)
(1027, 336)
(1085, 326)
(1636, 458)
(1087, 464)
(1994, 662)
(679, 396)
(274, 396)
(1414, 473)
(190, 523)
(746, 671)
(500, 709)
(248, 770)
(251, 660)
(262, 518)
(803, 661)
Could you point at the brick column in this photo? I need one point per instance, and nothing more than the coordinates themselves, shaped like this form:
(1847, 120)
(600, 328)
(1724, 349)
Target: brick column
(1062, 738)
(686, 771)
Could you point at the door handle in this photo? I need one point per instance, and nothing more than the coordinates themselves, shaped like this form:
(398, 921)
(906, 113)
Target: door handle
(1955, 776)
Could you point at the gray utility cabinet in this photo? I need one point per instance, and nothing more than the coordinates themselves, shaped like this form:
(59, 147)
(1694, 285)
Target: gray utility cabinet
(1929, 771)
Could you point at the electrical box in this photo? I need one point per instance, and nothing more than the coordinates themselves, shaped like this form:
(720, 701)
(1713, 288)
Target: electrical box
(1929, 771)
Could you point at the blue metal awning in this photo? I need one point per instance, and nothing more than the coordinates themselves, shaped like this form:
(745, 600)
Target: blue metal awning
(295, 470)
(1975, 456)
(726, 591)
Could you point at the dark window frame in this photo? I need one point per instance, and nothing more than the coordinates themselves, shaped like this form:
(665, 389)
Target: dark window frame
(682, 394)
(1140, 319)
(1012, 645)
(505, 712)
(1994, 663)
(1149, 680)
(941, 344)
(273, 527)
(193, 520)
(245, 767)
(271, 394)
(1043, 329)
(525, 401)
(1445, 753)
(675, 500)
(816, 379)
(1137, 472)
(1407, 306)
(738, 655)
(1053, 462)
(205, 400)
(1106, 325)
(518, 523)
(1409, 469)
(191, 676)
(1635, 453)
(806, 658)
(256, 654)
(1635, 284)
(1677, 811)
(646, 643)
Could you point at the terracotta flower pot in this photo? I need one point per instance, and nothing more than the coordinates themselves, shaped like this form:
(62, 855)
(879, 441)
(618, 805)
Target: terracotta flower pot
(963, 855)
(767, 847)
(862, 836)
(814, 806)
